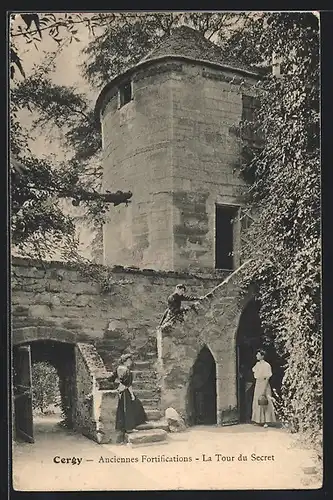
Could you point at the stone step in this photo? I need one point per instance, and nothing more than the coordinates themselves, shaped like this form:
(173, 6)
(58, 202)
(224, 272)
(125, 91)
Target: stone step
(153, 413)
(146, 393)
(150, 402)
(144, 437)
(139, 364)
(144, 384)
(151, 355)
(143, 374)
(154, 424)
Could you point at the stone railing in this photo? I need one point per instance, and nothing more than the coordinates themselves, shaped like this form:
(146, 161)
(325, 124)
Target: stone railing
(97, 398)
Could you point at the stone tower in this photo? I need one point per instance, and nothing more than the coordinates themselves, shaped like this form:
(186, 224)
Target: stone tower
(168, 131)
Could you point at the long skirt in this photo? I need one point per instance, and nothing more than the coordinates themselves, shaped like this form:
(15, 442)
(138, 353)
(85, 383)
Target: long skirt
(262, 414)
(129, 413)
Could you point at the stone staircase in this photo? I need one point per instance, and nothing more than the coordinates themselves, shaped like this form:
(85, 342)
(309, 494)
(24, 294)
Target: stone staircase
(155, 430)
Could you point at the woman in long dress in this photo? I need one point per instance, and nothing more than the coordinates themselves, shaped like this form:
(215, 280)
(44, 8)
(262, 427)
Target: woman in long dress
(262, 371)
(130, 412)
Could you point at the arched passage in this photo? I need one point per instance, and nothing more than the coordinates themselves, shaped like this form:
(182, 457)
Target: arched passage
(61, 356)
(250, 338)
(201, 396)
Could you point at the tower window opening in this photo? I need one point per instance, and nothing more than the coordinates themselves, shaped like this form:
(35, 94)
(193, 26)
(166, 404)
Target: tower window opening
(125, 93)
(225, 236)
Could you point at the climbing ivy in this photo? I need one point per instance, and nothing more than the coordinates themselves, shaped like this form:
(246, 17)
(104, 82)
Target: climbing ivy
(284, 240)
(97, 273)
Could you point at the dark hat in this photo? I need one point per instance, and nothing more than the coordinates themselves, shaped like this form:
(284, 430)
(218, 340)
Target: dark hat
(262, 352)
(181, 285)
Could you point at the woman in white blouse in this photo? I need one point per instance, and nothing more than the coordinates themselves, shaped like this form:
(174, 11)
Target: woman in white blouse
(262, 371)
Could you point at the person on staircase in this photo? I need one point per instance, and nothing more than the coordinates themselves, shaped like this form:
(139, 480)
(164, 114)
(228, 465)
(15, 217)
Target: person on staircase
(130, 412)
(175, 312)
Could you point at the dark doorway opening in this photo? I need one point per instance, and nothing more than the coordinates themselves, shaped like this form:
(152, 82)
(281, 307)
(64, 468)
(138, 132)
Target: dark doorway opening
(250, 338)
(59, 355)
(224, 236)
(125, 93)
(201, 400)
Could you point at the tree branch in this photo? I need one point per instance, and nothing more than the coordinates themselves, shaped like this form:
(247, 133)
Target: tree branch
(116, 198)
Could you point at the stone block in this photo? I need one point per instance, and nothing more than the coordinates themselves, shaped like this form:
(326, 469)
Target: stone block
(20, 310)
(143, 437)
(40, 311)
(83, 301)
(154, 424)
(107, 419)
(153, 414)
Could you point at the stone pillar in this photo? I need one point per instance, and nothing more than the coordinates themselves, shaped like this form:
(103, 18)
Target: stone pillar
(106, 428)
(97, 399)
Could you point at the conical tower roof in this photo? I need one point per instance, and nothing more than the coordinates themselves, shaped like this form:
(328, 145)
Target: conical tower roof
(190, 43)
(183, 42)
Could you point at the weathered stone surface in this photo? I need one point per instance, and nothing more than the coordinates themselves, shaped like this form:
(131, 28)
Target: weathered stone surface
(150, 403)
(95, 406)
(154, 424)
(40, 311)
(145, 393)
(172, 145)
(175, 421)
(215, 327)
(106, 432)
(143, 437)
(153, 414)
(127, 321)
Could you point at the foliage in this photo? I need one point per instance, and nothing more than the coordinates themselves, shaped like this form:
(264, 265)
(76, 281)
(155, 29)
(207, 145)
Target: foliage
(132, 35)
(284, 236)
(284, 239)
(45, 384)
(98, 273)
(39, 185)
(118, 40)
(32, 28)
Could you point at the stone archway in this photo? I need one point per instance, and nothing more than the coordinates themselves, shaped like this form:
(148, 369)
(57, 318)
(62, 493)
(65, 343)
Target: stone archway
(215, 326)
(33, 333)
(61, 356)
(86, 387)
(249, 338)
(55, 346)
(201, 401)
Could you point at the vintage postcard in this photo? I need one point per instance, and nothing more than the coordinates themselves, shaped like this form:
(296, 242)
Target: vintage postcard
(166, 250)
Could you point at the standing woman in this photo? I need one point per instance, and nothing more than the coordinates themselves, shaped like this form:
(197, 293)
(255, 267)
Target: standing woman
(130, 412)
(262, 406)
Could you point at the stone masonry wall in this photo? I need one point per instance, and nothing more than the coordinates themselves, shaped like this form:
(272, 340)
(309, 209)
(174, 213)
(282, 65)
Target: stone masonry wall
(136, 157)
(206, 156)
(55, 302)
(216, 326)
(175, 146)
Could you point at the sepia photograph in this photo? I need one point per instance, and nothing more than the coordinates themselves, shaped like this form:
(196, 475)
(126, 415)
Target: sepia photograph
(165, 250)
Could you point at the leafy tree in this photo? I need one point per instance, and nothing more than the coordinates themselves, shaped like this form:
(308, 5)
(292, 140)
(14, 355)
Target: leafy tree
(284, 239)
(32, 27)
(119, 40)
(45, 384)
(131, 36)
(40, 185)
